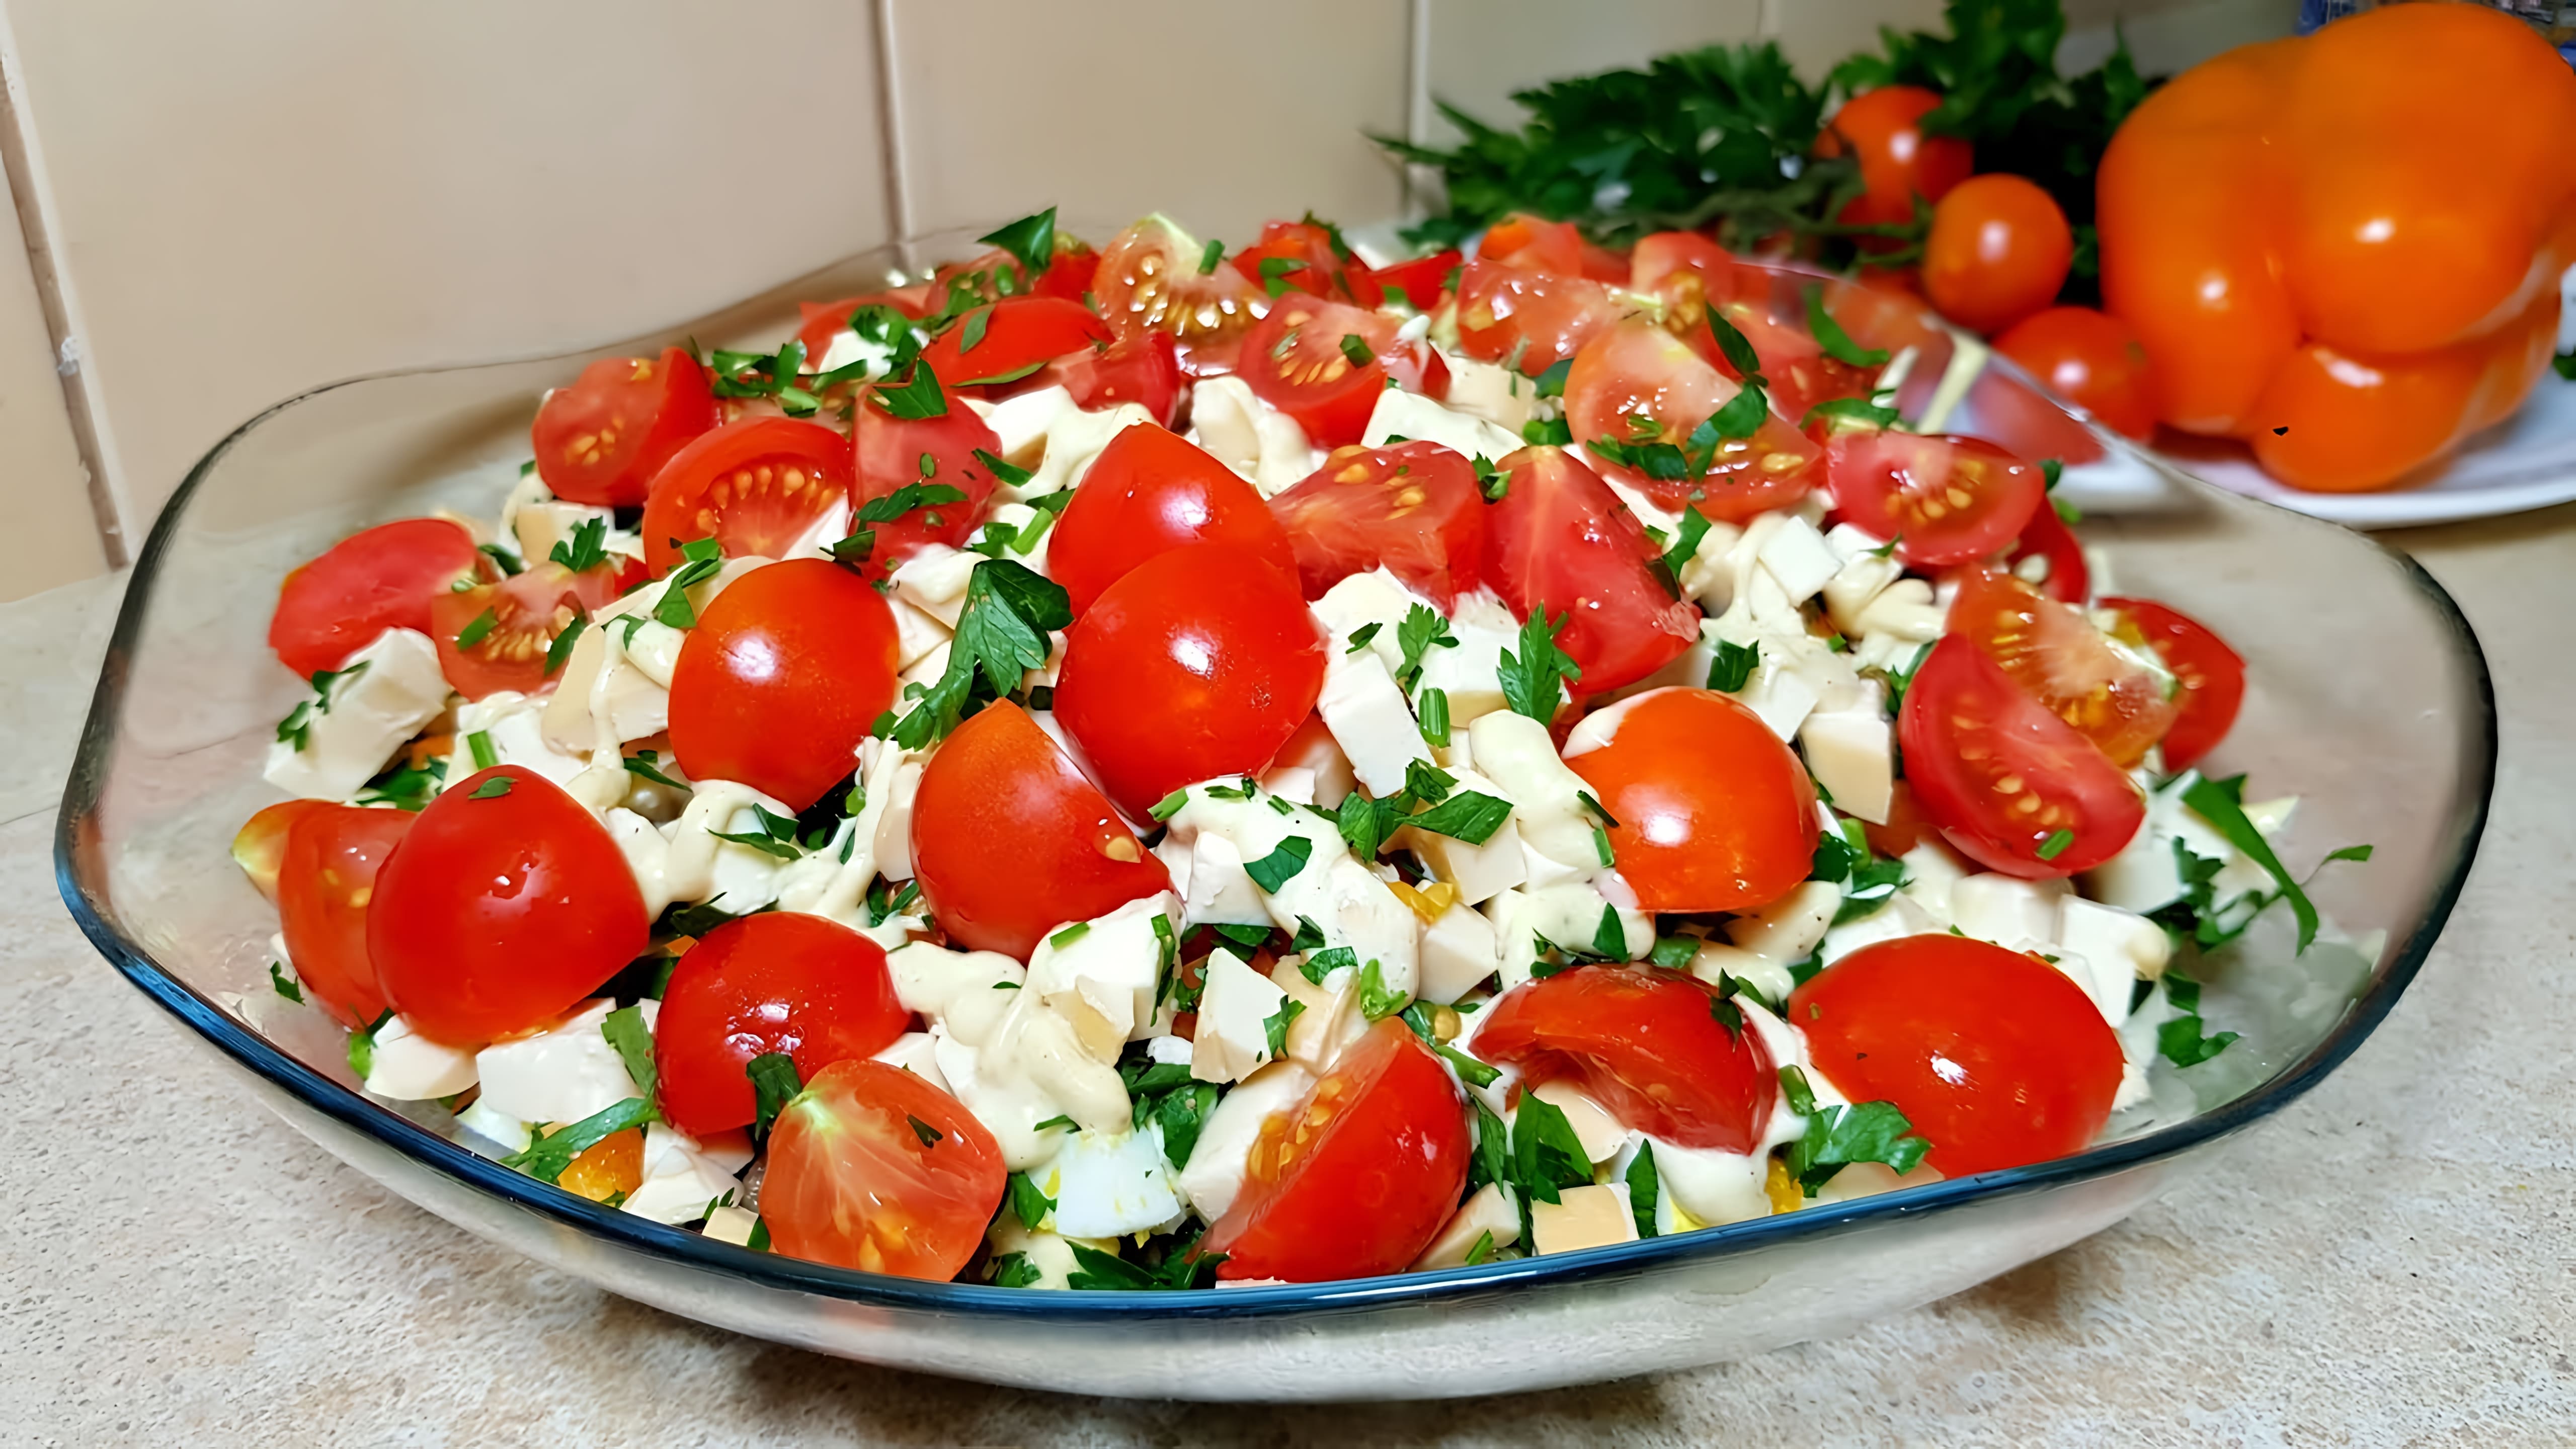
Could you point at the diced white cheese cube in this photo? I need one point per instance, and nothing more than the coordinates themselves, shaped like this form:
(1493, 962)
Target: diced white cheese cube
(893, 837)
(1214, 1173)
(513, 729)
(1485, 1217)
(1107, 1186)
(1233, 1036)
(561, 1074)
(934, 581)
(915, 1052)
(1899, 918)
(1220, 893)
(1073, 438)
(1248, 435)
(379, 700)
(2118, 949)
(1788, 929)
(537, 527)
(1328, 1018)
(1582, 1217)
(1852, 754)
(1370, 721)
(1101, 975)
(1714, 961)
(1798, 559)
(1315, 752)
(1714, 1186)
(2016, 914)
(1479, 871)
(681, 1184)
(1459, 951)
(1024, 420)
(1600, 1133)
(916, 631)
(1469, 673)
(1500, 395)
(409, 1067)
(1356, 603)
(491, 1124)
(732, 1224)
(1047, 1252)
(1568, 915)
(1294, 783)
(1931, 869)
(1410, 415)
(1868, 1179)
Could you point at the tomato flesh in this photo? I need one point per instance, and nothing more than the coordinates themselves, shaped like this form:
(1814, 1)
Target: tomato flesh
(1423, 282)
(1148, 492)
(1714, 812)
(1359, 1178)
(326, 884)
(781, 679)
(1637, 384)
(1012, 842)
(2011, 785)
(1533, 320)
(1943, 499)
(2056, 655)
(259, 847)
(1197, 663)
(1143, 370)
(511, 626)
(2212, 676)
(781, 981)
(1643, 1042)
(601, 440)
(1995, 1057)
(822, 321)
(755, 487)
(1413, 509)
(2069, 579)
(1150, 280)
(892, 453)
(1556, 248)
(872, 1168)
(1001, 342)
(1560, 542)
(1298, 360)
(383, 578)
(1300, 256)
(502, 907)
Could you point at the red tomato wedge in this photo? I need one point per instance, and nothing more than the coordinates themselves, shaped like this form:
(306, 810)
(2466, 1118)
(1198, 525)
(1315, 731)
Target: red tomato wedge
(1150, 280)
(1636, 384)
(781, 981)
(496, 636)
(1359, 1178)
(1945, 500)
(1995, 1057)
(602, 439)
(505, 904)
(326, 887)
(996, 274)
(1011, 841)
(1714, 812)
(1423, 282)
(2069, 579)
(1148, 492)
(1143, 370)
(1643, 1042)
(1560, 542)
(1532, 320)
(1770, 309)
(754, 487)
(1413, 509)
(1317, 361)
(2011, 785)
(2212, 677)
(2056, 655)
(260, 845)
(1557, 248)
(781, 679)
(383, 578)
(1197, 663)
(891, 454)
(872, 1168)
(822, 321)
(1301, 256)
(1002, 342)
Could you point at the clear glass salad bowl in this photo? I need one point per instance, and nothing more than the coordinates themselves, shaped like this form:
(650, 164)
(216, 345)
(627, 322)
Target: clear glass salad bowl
(2368, 697)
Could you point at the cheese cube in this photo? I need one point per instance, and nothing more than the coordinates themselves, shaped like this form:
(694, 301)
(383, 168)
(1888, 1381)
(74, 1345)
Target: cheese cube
(1600, 1134)
(501, 1129)
(1480, 872)
(1484, 1215)
(1233, 1037)
(1024, 420)
(1412, 416)
(536, 527)
(731, 1225)
(1101, 975)
(1370, 720)
(1714, 962)
(934, 581)
(1214, 1173)
(1459, 951)
(1249, 436)
(916, 1052)
(1500, 395)
(1583, 1217)
(1899, 918)
(1373, 922)
(1798, 559)
(1220, 892)
(1073, 438)
(562, 1074)
(2119, 947)
(1330, 1017)
(681, 1183)
(1469, 673)
(1931, 870)
(512, 727)
(1852, 754)
(380, 699)
(1788, 929)
(1107, 1186)
(635, 707)
(409, 1067)
(1713, 1185)
(2013, 913)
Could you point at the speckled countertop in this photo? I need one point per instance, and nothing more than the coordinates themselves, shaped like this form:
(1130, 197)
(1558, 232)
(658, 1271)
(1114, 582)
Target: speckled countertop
(2386, 1262)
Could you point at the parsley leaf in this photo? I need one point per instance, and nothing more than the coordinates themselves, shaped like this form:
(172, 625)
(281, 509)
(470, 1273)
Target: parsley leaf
(1272, 871)
(1433, 706)
(918, 396)
(1001, 635)
(633, 1041)
(1856, 410)
(1731, 667)
(1643, 1189)
(1028, 1204)
(584, 550)
(1830, 336)
(1377, 1003)
(1422, 630)
(1031, 239)
(549, 1153)
(1531, 678)
(493, 788)
(1014, 1270)
(1546, 1155)
(284, 986)
(1107, 1272)
(2180, 1038)
(2222, 804)
(1734, 346)
(1274, 1027)
(1467, 816)
(774, 1084)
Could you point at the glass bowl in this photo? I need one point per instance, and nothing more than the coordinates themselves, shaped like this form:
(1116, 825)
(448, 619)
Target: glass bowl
(2336, 632)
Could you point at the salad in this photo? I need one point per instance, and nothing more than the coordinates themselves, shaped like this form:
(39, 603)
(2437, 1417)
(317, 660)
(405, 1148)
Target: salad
(1153, 767)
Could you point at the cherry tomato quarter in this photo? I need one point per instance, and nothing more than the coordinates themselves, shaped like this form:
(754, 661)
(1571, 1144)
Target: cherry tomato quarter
(1305, 359)
(2011, 785)
(602, 440)
(326, 885)
(383, 578)
(1943, 499)
(1001, 342)
(2057, 657)
(754, 486)
(1560, 542)
(891, 454)
(1150, 280)
(1148, 492)
(781, 981)
(872, 1168)
(1643, 1042)
(1413, 509)
(497, 636)
(782, 678)
(1714, 812)
(2212, 676)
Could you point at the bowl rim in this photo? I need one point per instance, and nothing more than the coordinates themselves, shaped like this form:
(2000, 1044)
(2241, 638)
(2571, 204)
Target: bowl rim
(607, 1227)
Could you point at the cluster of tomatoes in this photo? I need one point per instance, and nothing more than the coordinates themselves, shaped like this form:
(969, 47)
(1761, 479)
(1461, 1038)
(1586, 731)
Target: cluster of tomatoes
(1192, 656)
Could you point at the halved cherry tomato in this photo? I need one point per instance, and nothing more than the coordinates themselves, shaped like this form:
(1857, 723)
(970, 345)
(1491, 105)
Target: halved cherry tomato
(1143, 370)
(1639, 371)
(754, 487)
(1557, 248)
(822, 321)
(781, 678)
(383, 578)
(1423, 281)
(1714, 812)
(1150, 280)
(1695, 276)
(2069, 579)
(2093, 360)
(505, 904)
(996, 274)
(782, 981)
(1998, 252)
(260, 844)
(602, 439)
(2011, 785)
(2056, 655)
(1560, 542)
(1300, 256)
(1358, 1179)
(892, 453)
(2212, 676)
(496, 636)
(1943, 499)
(1996, 1058)
(1532, 320)
(1011, 841)
(1898, 160)
(1413, 509)
(1001, 342)
(1148, 492)
(1643, 1042)
(1197, 663)
(326, 882)
(1299, 359)
(872, 1168)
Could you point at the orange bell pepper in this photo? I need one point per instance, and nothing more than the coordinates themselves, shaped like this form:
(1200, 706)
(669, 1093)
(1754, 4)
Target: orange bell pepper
(2345, 249)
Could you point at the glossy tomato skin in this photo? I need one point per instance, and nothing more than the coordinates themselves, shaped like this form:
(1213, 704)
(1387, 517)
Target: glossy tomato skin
(822, 321)
(383, 578)
(1898, 159)
(781, 679)
(499, 911)
(1360, 1178)
(601, 440)
(1714, 812)
(1998, 252)
(1639, 371)
(1012, 842)
(1542, 317)
(754, 486)
(851, 1181)
(2212, 677)
(527, 611)
(1304, 259)
(1560, 542)
(1199, 662)
(1643, 1042)
(259, 847)
(1149, 281)
(1557, 248)
(1148, 492)
(887, 454)
(2057, 657)
(983, 349)
(1995, 1057)
(781, 981)
(1413, 508)
(2093, 360)
(1422, 282)
(1969, 732)
(1142, 370)
(326, 883)
(1942, 499)
(1294, 360)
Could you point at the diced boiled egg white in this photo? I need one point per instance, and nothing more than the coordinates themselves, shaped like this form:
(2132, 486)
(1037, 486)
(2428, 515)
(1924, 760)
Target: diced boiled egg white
(561, 1074)
(1101, 975)
(1249, 436)
(1370, 720)
(379, 700)
(1485, 1217)
(1047, 1252)
(1110, 1185)
(1214, 1173)
(1410, 415)
(409, 1067)
(1235, 1008)
(683, 1179)
(1582, 1217)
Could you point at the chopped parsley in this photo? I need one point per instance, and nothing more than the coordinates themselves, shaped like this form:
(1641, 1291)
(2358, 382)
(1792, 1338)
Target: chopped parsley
(1422, 630)
(1107, 1272)
(776, 836)
(549, 1153)
(1433, 706)
(1546, 1155)
(1837, 1137)
(1830, 336)
(1028, 1204)
(1531, 678)
(633, 1041)
(1355, 349)
(1377, 1002)
(284, 985)
(1274, 1027)
(1644, 1187)
(2182, 1039)
(1274, 870)
(493, 789)
(1731, 667)
(647, 765)
(1001, 635)
(1069, 935)
(774, 1084)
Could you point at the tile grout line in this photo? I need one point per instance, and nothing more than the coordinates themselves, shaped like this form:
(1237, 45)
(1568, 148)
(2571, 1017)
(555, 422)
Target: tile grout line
(1416, 200)
(34, 228)
(890, 130)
